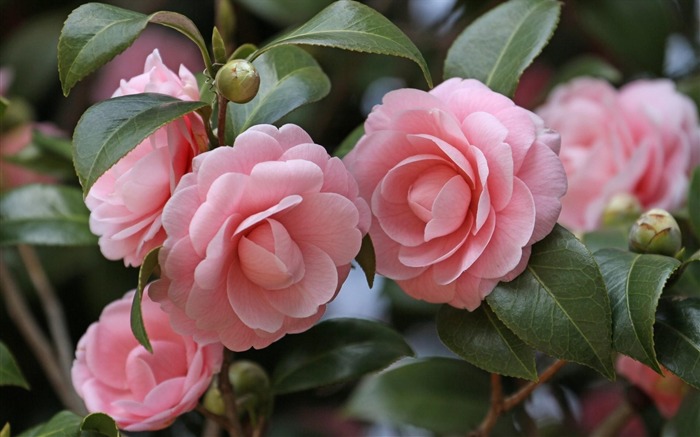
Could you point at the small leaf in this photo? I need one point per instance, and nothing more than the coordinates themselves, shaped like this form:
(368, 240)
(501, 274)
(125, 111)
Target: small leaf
(334, 351)
(367, 259)
(185, 26)
(484, 341)
(444, 395)
(349, 142)
(353, 26)
(10, 373)
(498, 46)
(63, 424)
(44, 215)
(677, 337)
(289, 78)
(100, 423)
(110, 129)
(635, 283)
(559, 304)
(694, 202)
(149, 264)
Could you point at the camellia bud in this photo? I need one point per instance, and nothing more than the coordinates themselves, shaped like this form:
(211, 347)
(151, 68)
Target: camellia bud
(622, 209)
(252, 388)
(213, 401)
(238, 81)
(656, 231)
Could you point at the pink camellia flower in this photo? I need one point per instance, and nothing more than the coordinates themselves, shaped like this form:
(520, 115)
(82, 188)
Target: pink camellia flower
(260, 238)
(665, 391)
(642, 141)
(127, 201)
(461, 182)
(12, 143)
(141, 391)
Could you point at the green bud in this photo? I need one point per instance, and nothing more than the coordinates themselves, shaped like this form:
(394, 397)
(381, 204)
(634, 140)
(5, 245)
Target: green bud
(252, 388)
(656, 231)
(622, 209)
(238, 81)
(213, 401)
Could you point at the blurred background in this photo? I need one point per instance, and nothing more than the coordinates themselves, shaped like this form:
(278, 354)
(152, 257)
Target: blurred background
(619, 40)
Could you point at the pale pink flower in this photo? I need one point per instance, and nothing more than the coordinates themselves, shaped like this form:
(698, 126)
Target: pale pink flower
(13, 143)
(260, 238)
(141, 391)
(665, 391)
(461, 183)
(127, 201)
(642, 140)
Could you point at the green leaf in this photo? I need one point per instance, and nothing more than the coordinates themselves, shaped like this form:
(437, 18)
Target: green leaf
(63, 424)
(350, 25)
(95, 33)
(498, 46)
(367, 259)
(289, 78)
(100, 423)
(110, 129)
(10, 373)
(149, 264)
(349, 142)
(686, 422)
(677, 337)
(694, 202)
(606, 238)
(285, 12)
(4, 103)
(44, 215)
(484, 341)
(440, 394)
(635, 283)
(559, 304)
(6, 431)
(333, 351)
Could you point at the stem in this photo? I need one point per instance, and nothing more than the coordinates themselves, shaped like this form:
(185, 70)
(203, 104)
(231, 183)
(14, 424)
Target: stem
(612, 424)
(211, 427)
(231, 413)
(53, 309)
(523, 393)
(40, 346)
(220, 421)
(221, 122)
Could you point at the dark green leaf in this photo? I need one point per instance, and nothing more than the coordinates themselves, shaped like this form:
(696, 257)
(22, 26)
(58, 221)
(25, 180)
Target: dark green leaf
(353, 26)
(10, 373)
(100, 423)
(677, 337)
(559, 305)
(687, 421)
(694, 202)
(484, 341)
(333, 351)
(63, 424)
(289, 78)
(45, 215)
(95, 33)
(635, 282)
(613, 237)
(349, 142)
(441, 394)
(498, 46)
(367, 259)
(285, 12)
(149, 264)
(110, 129)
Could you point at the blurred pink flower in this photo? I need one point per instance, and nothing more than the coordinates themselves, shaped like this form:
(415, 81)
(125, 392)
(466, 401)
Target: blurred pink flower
(126, 202)
(12, 143)
(643, 140)
(599, 402)
(141, 391)
(461, 183)
(665, 391)
(260, 238)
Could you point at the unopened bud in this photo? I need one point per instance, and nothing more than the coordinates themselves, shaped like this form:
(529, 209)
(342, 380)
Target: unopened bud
(656, 231)
(213, 401)
(252, 388)
(238, 81)
(622, 209)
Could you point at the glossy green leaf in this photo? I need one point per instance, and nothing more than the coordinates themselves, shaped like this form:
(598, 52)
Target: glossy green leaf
(635, 282)
(289, 78)
(498, 46)
(350, 25)
(333, 351)
(149, 264)
(440, 394)
(350, 141)
(559, 304)
(95, 33)
(63, 424)
(694, 202)
(484, 341)
(607, 238)
(367, 259)
(10, 373)
(110, 129)
(44, 215)
(687, 421)
(677, 338)
(100, 423)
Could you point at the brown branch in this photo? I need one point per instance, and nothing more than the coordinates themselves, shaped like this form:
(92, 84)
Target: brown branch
(220, 421)
(226, 389)
(523, 393)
